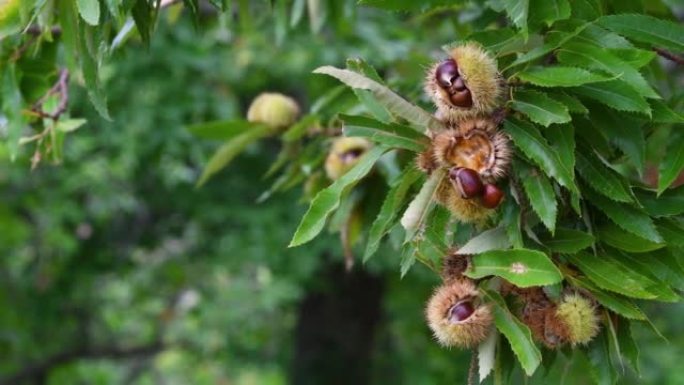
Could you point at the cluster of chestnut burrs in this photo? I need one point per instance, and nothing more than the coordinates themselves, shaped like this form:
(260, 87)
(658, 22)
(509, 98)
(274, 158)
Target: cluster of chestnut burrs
(467, 90)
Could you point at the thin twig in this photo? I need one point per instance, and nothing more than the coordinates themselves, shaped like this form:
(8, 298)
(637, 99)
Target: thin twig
(670, 56)
(60, 88)
(473, 368)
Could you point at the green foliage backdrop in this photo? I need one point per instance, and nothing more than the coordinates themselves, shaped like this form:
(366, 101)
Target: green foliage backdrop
(117, 269)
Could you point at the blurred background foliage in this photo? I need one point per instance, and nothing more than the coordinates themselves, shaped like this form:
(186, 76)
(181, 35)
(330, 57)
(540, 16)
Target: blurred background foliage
(116, 270)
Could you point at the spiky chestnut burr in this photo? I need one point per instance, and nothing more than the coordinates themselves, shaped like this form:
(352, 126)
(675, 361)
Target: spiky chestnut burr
(580, 317)
(454, 265)
(465, 85)
(538, 312)
(464, 210)
(275, 110)
(456, 316)
(475, 144)
(344, 154)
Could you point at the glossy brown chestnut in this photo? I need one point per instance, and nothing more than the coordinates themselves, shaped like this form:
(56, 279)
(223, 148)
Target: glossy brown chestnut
(459, 84)
(461, 311)
(462, 98)
(467, 181)
(492, 196)
(447, 73)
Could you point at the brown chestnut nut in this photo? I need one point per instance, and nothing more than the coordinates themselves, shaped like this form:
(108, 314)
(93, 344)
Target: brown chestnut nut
(461, 311)
(447, 73)
(492, 196)
(462, 99)
(459, 84)
(467, 181)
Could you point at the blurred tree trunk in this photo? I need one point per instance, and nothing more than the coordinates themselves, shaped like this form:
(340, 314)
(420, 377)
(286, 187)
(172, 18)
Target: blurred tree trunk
(336, 328)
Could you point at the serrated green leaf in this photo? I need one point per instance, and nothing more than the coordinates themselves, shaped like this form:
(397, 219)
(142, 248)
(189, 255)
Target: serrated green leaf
(614, 302)
(593, 57)
(394, 103)
(587, 133)
(433, 243)
(394, 201)
(90, 70)
(602, 369)
(562, 140)
(521, 267)
(651, 269)
(360, 66)
(540, 193)
(615, 94)
(665, 264)
(626, 134)
(664, 114)
(528, 139)
(616, 237)
(552, 40)
(492, 239)
(558, 76)
(607, 274)
(600, 177)
(540, 108)
(567, 241)
(549, 11)
(517, 334)
(365, 96)
(328, 199)
(517, 11)
(229, 150)
(511, 220)
(420, 207)
(393, 135)
(672, 232)
(669, 203)
(635, 57)
(573, 104)
(603, 38)
(646, 29)
(628, 217)
(500, 41)
(486, 354)
(89, 11)
(628, 346)
(142, 12)
(672, 164)
(586, 9)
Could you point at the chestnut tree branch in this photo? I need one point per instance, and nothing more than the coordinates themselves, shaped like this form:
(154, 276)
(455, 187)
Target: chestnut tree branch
(60, 88)
(670, 56)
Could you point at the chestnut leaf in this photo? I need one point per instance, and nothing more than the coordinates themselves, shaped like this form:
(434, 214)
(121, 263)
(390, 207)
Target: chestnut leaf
(328, 199)
(517, 333)
(521, 267)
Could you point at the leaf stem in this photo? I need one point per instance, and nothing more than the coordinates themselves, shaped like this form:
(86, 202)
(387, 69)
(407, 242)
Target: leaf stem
(669, 56)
